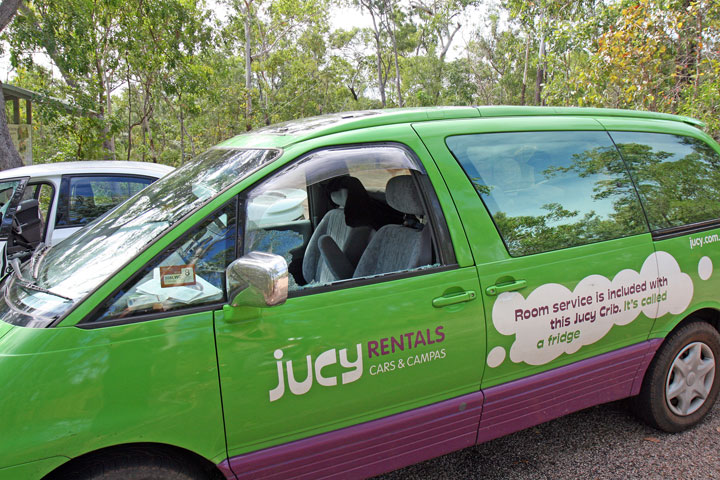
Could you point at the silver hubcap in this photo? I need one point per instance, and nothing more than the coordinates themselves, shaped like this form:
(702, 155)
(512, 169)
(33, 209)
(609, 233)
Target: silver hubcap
(690, 379)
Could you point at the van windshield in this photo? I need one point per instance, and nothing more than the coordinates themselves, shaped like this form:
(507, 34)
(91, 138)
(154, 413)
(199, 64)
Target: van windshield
(74, 268)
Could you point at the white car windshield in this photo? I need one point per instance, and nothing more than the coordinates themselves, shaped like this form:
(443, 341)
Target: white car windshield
(78, 265)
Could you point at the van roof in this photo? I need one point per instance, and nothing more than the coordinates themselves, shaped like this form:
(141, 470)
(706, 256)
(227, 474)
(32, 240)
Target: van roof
(287, 133)
(512, 111)
(39, 170)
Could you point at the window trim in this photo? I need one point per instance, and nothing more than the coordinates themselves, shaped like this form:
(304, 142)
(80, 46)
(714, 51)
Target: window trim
(363, 281)
(679, 231)
(64, 195)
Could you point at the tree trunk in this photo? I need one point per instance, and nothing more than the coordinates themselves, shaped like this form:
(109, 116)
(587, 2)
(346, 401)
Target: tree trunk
(541, 63)
(378, 55)
(698, 52)
(108, 111)
(248, 70)
(130, 127)
(182, 137)
(144, 129)
(540, 72)
(525, 70)
(9, 156)
(391, 29)
(381, 82)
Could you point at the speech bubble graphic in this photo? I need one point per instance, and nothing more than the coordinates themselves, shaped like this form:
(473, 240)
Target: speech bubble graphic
(554, 320)
(705, 268)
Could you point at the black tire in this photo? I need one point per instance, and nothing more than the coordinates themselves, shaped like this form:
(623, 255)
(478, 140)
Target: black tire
(133, 464)
(695, 342)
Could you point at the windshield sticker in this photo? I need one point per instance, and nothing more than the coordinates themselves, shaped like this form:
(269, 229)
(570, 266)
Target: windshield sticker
(199, 290)
(177, 276)
(410, 349)
(553, 320)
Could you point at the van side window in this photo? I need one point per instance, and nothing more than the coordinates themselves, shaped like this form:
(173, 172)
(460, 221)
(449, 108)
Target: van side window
(551, 190)
(84, 198)
(343, 213)
(678, 177)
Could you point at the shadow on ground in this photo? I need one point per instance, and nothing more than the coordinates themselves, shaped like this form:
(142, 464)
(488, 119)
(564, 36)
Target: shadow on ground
(603, 442)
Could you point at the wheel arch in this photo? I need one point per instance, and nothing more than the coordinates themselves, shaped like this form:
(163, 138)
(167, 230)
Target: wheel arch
(651, 404)
(707, 314)
(148, 449)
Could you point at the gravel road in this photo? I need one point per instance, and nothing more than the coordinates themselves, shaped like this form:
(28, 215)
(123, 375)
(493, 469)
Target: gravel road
(604, 442)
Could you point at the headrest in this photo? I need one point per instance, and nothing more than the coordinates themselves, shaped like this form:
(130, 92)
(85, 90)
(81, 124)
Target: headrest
(402, 195)
(83, 190)
(339, 197)
(27, 204)
(349, 192)
(346, 187)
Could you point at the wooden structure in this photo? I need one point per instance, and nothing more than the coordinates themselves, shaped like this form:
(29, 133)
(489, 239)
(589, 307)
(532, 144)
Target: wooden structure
(21, 132)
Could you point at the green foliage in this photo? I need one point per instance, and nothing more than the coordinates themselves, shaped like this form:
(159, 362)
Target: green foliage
(160, 80)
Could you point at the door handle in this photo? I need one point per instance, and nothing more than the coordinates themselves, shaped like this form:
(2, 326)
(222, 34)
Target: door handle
(453, 298)
(506, 287)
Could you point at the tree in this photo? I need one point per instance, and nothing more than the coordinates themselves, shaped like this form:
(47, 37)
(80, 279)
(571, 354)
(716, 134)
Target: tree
(543, 20)
(499, 64)
(9, 156)
(82, 38)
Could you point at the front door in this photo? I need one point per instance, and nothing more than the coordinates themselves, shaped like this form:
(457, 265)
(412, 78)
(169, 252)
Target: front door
(393, 334)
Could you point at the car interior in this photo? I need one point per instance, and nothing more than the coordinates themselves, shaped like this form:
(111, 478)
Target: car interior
(362, 228)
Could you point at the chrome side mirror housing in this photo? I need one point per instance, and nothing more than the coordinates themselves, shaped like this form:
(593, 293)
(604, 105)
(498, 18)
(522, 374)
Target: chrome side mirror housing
(257, 279)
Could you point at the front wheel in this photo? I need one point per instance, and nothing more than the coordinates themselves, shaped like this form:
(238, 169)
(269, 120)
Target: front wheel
(682, 382)
(134, 463)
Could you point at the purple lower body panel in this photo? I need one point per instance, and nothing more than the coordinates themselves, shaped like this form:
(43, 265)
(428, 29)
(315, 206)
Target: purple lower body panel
(390, 443)
(370, 448)
(530, 401)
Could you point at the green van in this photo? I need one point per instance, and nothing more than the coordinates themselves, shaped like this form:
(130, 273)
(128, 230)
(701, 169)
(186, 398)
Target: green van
(345, 295)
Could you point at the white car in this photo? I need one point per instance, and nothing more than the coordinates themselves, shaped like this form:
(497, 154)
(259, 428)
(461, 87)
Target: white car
(48, 202)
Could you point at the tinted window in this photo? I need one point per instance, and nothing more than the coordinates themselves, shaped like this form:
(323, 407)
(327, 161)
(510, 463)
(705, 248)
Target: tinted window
(678, 177)
(551, 190)
(83, 199)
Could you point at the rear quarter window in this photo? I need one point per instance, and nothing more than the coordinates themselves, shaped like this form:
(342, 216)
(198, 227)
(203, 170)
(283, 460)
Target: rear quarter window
(678, 177)
(551, 190)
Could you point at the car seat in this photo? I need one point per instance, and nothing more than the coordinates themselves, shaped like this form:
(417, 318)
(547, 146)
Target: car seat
(82, 204)
(27, 228)
(341, 236)
(397, 248)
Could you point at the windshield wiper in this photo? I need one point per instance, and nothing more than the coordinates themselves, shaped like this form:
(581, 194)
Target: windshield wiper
(37, 258)
(15, 264)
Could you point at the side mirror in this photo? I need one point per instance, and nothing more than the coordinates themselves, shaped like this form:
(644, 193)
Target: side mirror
(257, 279)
